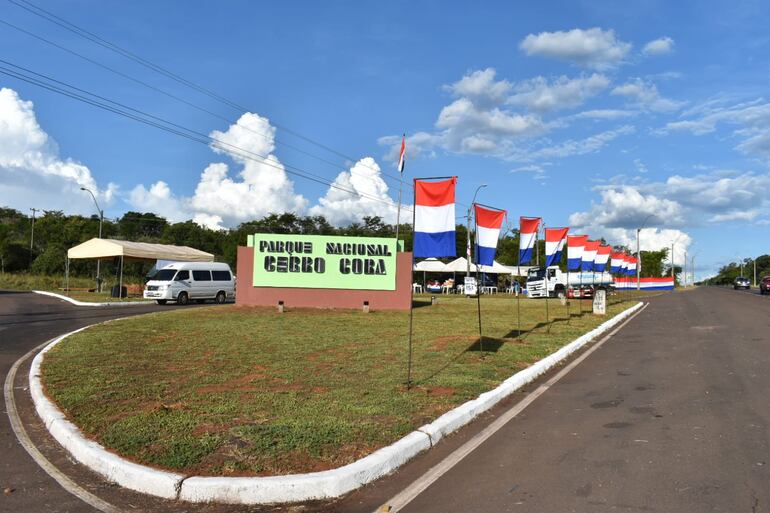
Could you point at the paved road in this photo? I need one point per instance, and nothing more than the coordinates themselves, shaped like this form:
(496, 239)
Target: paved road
(670, 415)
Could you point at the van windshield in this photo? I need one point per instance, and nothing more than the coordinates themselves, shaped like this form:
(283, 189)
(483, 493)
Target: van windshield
(164, 275)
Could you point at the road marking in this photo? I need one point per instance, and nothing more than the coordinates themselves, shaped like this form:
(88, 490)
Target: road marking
(408, 494)
(21, 434)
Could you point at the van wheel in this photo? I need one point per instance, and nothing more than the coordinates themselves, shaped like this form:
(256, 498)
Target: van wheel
(221, 297)
(161, 301)
(182, 298)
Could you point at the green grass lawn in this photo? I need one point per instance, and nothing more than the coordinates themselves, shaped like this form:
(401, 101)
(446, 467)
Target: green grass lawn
(247, 391)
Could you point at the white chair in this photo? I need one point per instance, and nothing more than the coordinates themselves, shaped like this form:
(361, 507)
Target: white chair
(417, 288)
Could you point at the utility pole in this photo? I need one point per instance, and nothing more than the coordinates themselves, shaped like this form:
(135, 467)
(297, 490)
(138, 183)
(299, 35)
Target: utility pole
(32, 233)
(638, 261)
(692, 270)
(101, 220)
(755, 272)
(673, 280)
(684, 269)
(468, 255)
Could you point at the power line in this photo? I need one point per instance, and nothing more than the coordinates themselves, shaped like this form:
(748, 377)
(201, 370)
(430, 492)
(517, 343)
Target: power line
(94, 38)
(185, 102)
(158, 122)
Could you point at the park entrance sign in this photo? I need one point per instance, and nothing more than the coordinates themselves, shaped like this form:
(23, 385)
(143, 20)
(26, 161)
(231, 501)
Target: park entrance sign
(318, 271)
(323, 262)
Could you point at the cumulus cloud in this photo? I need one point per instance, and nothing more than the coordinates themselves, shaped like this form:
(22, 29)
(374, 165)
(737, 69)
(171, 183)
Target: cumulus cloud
(371, 199)
(591, 48)
(645, 95)
(659, 46)
(539, 95)
(159, 199)
(481, 87)
(32, 174)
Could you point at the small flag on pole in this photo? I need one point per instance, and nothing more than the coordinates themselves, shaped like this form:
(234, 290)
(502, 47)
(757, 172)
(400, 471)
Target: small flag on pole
(602, 256)
(401, 155)
(488, 224)
(434, 218)
(589, 255)
(554, 245)
(528, 227)
(575, 246)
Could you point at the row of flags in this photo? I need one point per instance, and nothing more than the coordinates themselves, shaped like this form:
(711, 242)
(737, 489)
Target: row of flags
(434, 234)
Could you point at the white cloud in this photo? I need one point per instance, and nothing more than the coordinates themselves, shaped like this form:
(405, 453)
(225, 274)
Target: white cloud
(605, 114)
(481, 87)
(372, 199)
(645, 95)
(32, 174)
(417, 145)
(627, 207)
(539, 95)
(659, 46)
(591, 48)
(572, 147)
(160, 200)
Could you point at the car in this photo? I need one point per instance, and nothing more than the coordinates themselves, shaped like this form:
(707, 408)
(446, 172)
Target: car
(741, 283)
(186, 281)
(764, 285)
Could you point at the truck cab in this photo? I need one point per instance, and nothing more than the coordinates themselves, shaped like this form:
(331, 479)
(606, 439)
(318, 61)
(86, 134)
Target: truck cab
(552, 282)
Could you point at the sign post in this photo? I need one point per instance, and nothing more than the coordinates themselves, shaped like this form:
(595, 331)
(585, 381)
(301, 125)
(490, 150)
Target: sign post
(600, 302)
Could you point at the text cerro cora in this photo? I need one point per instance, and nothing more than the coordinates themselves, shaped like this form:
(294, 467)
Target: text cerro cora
(297, 257)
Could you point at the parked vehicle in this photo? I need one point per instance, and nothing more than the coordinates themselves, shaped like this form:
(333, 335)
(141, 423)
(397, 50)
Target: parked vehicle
(186, 281)
(741, 283)
(764, 285)
(553, 282)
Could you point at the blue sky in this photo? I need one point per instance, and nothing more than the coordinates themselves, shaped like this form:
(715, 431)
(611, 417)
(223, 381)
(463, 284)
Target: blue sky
(597, 115)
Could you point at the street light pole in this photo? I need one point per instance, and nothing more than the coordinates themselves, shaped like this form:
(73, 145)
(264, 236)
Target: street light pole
(468, 233)
(638, 261)
(101, 220)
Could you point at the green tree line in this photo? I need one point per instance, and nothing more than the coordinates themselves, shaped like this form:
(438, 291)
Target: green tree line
(728, 273)
(45, 250)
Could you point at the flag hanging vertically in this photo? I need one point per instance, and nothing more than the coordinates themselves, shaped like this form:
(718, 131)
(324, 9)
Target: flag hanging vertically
(528, 227)
(589, 255)
(616, 262)
(434, 218)
(624, 265)
(575, 246)
(631, 270)
(401, 155)
(488, 224)
(554, 245)
(602, 256)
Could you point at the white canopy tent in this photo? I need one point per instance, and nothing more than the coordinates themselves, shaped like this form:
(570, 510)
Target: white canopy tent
(98, 249)
(431, 265)
(460, 265)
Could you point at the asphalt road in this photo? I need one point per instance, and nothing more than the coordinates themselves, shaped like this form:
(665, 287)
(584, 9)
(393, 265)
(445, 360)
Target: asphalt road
(671, 415)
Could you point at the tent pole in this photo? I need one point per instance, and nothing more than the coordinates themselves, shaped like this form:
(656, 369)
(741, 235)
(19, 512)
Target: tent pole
(120, 289)
(67, 277)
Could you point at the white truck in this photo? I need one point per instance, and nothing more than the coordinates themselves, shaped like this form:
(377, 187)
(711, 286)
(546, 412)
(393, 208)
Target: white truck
(554, 281)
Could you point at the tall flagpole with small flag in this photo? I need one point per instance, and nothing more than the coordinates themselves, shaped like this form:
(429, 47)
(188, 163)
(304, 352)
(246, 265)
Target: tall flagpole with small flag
(554, 245)
(489, 221)
(400, 183)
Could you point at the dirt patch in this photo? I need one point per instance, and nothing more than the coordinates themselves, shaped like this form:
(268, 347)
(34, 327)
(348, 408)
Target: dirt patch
(439, 391)
(441, 343)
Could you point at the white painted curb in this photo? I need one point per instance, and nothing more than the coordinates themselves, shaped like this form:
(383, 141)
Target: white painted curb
(292, 488)
(87, 303)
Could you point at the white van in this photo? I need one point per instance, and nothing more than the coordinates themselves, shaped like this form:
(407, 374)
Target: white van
(185, 281)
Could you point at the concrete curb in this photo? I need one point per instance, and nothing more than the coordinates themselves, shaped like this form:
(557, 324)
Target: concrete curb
(86, 303)
(292, 488)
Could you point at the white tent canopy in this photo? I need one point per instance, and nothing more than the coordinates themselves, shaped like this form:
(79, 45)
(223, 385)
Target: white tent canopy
(431, 265)
(460, 265)
(111, 248)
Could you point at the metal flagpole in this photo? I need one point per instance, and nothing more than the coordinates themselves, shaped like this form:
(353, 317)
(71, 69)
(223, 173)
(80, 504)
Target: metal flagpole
(400, 187)
(478, 283)
(411, 299)
(545, 281)
(518, 275)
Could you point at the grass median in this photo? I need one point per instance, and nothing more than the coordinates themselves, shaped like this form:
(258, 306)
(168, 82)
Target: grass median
(231, 390)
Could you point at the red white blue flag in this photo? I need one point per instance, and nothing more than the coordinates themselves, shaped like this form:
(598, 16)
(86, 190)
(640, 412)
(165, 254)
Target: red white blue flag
(589, 255)
(434, 218)
(488, 224)
(528, 227)
(616, 262)
(401, 155)
(602, 256)
(575, 246)
(554, 245)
